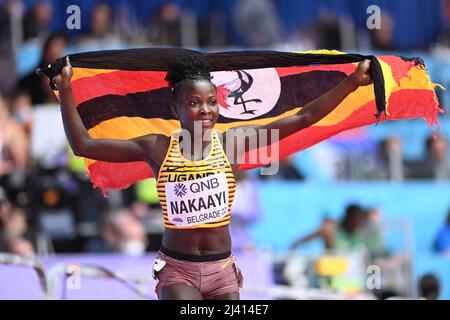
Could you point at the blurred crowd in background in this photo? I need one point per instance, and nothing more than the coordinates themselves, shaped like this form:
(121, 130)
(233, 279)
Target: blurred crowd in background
(47, 203)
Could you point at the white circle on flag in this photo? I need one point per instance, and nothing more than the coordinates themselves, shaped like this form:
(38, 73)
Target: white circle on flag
(246, 94)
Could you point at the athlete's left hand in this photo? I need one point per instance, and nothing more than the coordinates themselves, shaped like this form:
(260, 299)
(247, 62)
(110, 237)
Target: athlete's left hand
(361, 76)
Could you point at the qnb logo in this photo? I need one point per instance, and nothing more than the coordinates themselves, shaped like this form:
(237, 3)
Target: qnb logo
(180, 190)
(73, 273)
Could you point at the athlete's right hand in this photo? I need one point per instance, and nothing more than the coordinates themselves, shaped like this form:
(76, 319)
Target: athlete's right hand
(66, 74)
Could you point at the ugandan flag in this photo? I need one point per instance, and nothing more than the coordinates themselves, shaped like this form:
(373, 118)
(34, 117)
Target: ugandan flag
(122, 94)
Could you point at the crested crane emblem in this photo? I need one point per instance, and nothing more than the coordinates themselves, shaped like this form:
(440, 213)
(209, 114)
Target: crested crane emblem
(247, 94)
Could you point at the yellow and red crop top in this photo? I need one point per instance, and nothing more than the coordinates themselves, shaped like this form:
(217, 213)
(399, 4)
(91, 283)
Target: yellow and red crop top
(196, 194)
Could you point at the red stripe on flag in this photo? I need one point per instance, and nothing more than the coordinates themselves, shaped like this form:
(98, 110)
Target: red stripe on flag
(405, 104)
(398, 66)
(107, 175)
(118, 83)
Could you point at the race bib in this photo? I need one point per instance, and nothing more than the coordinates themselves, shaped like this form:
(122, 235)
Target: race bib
(194, 202)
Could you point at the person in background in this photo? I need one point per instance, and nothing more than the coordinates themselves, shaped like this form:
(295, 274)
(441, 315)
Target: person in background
(429, 287)
(15, 223)
(436, 164)
(20, 246)
(382, 38)
(373, 233)
(11, 12)
(444, 36)
(328, 31)
(124, 233)
(5, 208)
(390, 164)
(22, 110)
(437, 151)
(344, 236)
(13, 229)
(37, 20)
(442, 241)
(101, 34)
(258, 22)
(286, 171)
(13, 144)
(37, 85)
(165, 26)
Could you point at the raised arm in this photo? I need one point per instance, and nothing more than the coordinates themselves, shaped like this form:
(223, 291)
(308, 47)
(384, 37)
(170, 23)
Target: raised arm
(314, 110)
(83, 145)
(326, 232)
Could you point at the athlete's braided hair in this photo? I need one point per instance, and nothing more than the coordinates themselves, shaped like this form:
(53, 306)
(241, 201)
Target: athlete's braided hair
(186, 68)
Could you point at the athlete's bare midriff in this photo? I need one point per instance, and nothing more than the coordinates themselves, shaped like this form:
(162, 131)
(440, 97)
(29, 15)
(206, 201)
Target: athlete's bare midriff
(198, 241)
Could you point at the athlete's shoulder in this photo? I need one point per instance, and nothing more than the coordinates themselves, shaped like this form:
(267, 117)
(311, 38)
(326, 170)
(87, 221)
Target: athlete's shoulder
(162, 142)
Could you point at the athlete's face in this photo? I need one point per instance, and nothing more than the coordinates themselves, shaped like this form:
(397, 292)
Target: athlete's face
(197, 101)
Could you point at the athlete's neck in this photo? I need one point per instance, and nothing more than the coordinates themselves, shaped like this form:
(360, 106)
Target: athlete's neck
(198, 146)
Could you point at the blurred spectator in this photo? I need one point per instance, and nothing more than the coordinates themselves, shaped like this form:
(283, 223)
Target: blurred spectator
(15, 223)
(444, 37)
(151, 220)
(20, 246)
(11, 12)
(328, 31)
(373, 233)
(22, 110)
(5, 209)
(429, 287)
(437, 156)
(125, 23)
(361, 232)
(37, 20)
(165, 26)
(442, 241)
(302, 39)
(13, 229)
(436, 164)
(389, 162)
(347, 236)
(38, 85)
(211, 29)
(124, 233)
(326, 232)
(360, 229)
(286, 171)
(101, 35)
(13, 143)
(383, 39)
(258, 22)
